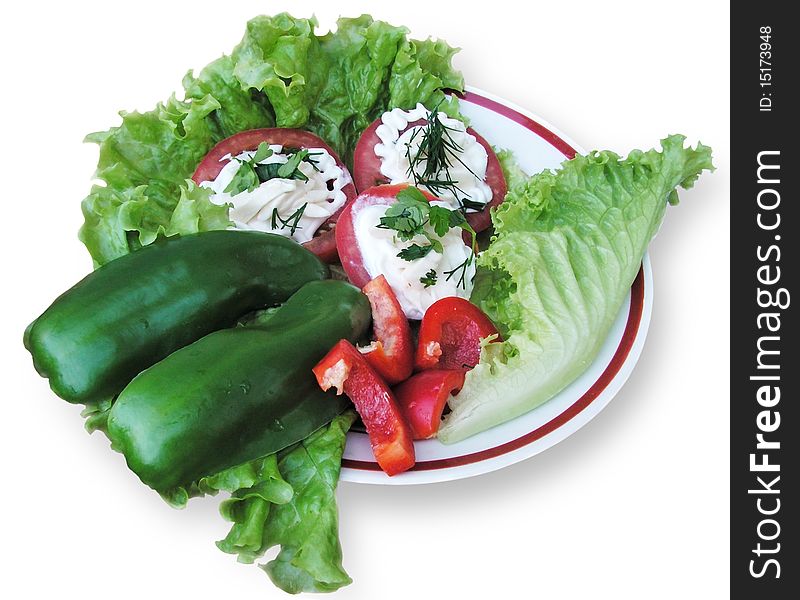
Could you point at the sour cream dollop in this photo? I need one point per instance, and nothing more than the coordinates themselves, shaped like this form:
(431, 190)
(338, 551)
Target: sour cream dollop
(467, 166)
(379, 249)
(322, 194)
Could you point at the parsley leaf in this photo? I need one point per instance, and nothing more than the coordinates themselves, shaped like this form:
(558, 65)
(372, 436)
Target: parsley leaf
(290, 169)
(440, 219)
(428, 279)
(414, 251)
(244, 180)
(263, 152)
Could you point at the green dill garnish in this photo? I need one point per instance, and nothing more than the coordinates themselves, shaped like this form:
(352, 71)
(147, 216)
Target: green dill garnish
(428, 279)
(462, 270)
(434, 157)
(292, 221)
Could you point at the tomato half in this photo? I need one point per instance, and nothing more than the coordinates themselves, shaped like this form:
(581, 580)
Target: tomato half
(367, 170)
(346, 242)
(324, 242)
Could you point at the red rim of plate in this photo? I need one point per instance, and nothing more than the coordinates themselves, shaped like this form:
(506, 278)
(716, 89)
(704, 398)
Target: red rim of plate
(608, 375)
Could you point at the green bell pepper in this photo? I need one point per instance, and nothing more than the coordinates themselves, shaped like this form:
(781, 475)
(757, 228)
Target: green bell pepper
(132, 312)
(237, 394)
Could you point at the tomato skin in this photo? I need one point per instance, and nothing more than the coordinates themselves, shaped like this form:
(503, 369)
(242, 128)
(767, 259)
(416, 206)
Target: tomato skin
(423, 396)
(390, 437)
(393, 354)
(450, 335)
(324, 242)
(346, 242)
(367, 171)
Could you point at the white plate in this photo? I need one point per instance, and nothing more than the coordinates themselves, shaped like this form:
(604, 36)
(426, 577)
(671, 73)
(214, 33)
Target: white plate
(537, 146)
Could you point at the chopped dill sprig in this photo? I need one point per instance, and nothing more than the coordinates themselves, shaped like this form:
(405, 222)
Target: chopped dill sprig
(434, 157)
(292, 221)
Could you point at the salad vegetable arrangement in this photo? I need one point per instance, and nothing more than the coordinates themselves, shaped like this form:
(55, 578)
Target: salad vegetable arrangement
(217, 343)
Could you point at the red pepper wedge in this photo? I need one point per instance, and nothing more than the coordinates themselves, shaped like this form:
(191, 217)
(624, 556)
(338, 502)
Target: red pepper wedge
(392, 352)
(423, 396)
(348, 371)
(450, 334)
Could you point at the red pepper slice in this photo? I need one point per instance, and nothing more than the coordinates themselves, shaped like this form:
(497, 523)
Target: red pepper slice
(345, 369)
(392, 352)
(422, 399)
(450, 334)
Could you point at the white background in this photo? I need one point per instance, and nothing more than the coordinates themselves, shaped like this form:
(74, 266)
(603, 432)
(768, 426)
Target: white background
(634, 505)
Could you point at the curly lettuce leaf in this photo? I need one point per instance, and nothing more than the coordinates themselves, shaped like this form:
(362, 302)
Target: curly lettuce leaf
(249, 507)
(307, 527)
(281, 74)
(280, 57)
(143, 164)
(236, 479)
(512, 172)
(290, 501)
(567, 247)
(239, 109)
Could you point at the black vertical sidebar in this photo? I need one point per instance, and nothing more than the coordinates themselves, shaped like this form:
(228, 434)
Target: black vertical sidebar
(765, 259)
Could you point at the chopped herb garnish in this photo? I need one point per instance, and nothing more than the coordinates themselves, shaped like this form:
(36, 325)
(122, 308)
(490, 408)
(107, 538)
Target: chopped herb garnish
(262, 152)
(467, 204)
(408, 218)
(290, 169)
(292, 221)
(461, 270)
(252, 173)
(414, 252)
(428, 279)
(434, 157)
(440, 219)
(244, 180)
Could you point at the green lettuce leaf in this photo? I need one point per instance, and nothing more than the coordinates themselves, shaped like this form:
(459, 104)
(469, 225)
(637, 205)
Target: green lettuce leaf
(280, 57)
(281, 74)
(289, 499)
(143, 164)
(195, 212)
(239, 109)
(307, 527)
(248, 509)
(567, 247)
(513, 173)
(235, 479)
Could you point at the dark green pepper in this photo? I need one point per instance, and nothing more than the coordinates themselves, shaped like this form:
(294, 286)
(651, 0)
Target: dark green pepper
(236, 394)
(137, 309)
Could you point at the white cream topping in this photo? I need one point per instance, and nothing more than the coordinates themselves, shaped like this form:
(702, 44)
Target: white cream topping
(379, 248)
(467, 167)
(254, 210)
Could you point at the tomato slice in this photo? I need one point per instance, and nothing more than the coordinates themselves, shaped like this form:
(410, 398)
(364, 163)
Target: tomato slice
(367, 171)
(346, 242)
(324, 242)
